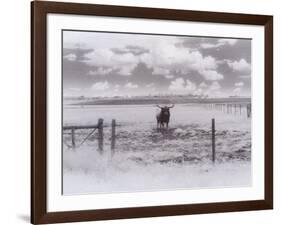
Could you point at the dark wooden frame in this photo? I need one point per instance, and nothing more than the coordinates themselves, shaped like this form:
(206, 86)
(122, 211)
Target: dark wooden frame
(39, 11)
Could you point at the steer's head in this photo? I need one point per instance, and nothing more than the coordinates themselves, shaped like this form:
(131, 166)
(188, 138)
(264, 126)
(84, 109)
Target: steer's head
(165, 109)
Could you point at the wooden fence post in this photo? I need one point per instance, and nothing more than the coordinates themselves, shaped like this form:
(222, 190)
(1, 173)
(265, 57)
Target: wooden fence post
(248, 110)
(73, 138)
(213, 141)
(113, 136)
(100, 135)
(240, 108)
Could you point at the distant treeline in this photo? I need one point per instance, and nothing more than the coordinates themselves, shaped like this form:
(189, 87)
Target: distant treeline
(159, 100)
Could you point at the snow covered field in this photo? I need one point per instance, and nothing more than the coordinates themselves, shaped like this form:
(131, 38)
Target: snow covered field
(148, 160)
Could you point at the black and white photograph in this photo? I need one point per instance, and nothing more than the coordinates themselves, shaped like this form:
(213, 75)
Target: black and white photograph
(154, 112)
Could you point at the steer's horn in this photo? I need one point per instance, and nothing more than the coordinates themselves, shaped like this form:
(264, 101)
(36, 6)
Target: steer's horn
(171, 106)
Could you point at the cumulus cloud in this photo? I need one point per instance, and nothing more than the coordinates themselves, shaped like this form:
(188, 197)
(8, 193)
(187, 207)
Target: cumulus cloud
(202, 85)
(100, 86)
(241, 66)
(227, 41)
(163, 57)
(170, 58)
(236, 91)
(107, 59)
(100, 71)
(239, 84)
(70, 57)
(208, 45)
(212, 89)
(125, 70)
(169, 76)
(181, 85)
(135, 50)
(212, 75)
(131, 85)
(160, 71)
(220, 42)
(139, 60)
(214, 86)
(199, 91)
(190, 86)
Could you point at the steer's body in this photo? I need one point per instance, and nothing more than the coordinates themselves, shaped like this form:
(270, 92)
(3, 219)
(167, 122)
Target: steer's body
(163, 117)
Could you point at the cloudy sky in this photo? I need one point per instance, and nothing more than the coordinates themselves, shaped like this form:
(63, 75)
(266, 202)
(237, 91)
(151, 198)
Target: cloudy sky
(110, 64)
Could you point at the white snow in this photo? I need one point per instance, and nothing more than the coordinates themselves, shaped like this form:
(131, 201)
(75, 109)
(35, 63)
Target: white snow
(148, 160)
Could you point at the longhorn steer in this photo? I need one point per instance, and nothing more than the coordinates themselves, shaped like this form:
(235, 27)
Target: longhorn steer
(163, 117)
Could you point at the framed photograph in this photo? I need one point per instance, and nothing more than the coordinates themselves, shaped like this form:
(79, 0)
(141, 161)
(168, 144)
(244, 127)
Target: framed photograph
(144, 112)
